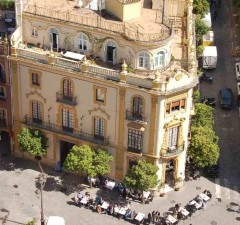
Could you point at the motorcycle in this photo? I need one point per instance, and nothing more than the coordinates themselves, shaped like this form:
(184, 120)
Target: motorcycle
(205, 78)
(209, 101)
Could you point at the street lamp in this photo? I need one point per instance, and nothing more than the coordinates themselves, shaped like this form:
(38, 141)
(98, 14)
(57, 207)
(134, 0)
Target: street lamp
(41, 180)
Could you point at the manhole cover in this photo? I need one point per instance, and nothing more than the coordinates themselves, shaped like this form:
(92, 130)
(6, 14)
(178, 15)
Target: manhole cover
(219, 199)
(172, 201)
(198, 188)
(17, 194)
(15, 186)
(214, 223)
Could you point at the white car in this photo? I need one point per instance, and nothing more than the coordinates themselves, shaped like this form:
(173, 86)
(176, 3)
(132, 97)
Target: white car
(237, 66)
(55, 220)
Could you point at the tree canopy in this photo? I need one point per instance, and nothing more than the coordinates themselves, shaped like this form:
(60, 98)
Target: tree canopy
(85, 159)
(7, 4)
(141, 176)
(200, 7)
(32, 141)
(203, 115)
(203, 149)
(200, 27)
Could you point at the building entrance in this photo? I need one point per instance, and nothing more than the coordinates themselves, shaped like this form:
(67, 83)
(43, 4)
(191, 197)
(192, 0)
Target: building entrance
(65, 148)
(169, 173)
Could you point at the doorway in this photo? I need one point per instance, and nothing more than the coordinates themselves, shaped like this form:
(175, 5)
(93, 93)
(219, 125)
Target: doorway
(170, 173)
(5, 146)
(55, 41)
(111, 52)
(65, 148)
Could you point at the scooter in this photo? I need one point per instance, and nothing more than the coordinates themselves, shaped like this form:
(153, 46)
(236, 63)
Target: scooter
(209, 101)
(205, 78)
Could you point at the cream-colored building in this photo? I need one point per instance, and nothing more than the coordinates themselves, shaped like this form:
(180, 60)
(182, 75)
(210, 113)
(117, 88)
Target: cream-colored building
(121, 78)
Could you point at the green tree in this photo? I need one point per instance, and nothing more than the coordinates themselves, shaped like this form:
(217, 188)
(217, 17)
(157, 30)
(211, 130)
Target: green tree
(32, 141)
(200, 28)
(85, 159)
(203, 149)
(7, 4)
(32, 222)
(142, 176)
(199, 51)
(203, 116)
(200, 7)
(196, 96)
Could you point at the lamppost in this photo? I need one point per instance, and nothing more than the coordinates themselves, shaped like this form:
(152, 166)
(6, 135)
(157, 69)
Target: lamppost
(41, 180)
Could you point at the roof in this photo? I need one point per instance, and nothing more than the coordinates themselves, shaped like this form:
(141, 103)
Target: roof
(210, 51)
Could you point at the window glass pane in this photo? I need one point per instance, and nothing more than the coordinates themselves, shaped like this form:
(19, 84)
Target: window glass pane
(134, 139)
(172, 137)
(99, 127)
(100, 94)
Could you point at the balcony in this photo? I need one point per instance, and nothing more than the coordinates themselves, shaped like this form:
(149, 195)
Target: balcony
(137, 117)
(66, 131)
(134, 150)
(3, 123)
(172, 152)
(66, 99)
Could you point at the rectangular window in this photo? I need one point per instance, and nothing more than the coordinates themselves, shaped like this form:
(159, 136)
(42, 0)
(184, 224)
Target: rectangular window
(135, 140)
(34, 32)
(2, 92)
(35, 79)
(37, 112)
(100, 95)
(183, 103)
(175, 106)
(172, 137)
(99, 128)
(168, 107)
(67, 120)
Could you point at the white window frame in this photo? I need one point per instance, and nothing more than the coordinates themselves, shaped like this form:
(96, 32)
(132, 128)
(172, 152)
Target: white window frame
(34, 32)
(173, 137)
(83, 42)
(159, 60)
(144, 60)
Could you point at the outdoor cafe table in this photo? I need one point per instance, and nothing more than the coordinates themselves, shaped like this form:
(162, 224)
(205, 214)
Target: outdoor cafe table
(204, 197)
(139, 217)
(122, 211)
(105, 205)
(171, 219)
(146, 194)
(84, 201)
(197, 205)
(110, 185)
(183, 211)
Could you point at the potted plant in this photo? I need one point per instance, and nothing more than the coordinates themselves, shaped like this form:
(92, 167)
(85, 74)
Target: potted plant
(178, 183)
(162, 189)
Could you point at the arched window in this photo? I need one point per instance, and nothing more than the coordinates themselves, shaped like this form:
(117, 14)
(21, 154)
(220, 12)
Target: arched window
(67, 88)
(159, 59)
(144, 61)
(137, 107)
(83, 42)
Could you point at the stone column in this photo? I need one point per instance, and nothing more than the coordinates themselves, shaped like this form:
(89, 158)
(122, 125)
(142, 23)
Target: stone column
(123, 73)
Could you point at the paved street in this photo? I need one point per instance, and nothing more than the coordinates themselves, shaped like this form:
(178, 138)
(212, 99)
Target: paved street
(20, 200)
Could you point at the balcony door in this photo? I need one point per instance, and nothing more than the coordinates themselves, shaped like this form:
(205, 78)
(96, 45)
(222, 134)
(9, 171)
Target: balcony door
(67, 89)
(111, 52)
(37, 112)
(99, 128)
(172, 138)
(137, 108)
(54, 39)
(67, 120)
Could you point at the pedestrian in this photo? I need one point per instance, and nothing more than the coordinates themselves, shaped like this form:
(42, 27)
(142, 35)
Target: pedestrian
(58, 167)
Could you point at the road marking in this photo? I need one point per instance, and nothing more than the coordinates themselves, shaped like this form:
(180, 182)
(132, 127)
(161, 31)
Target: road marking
(218, 188)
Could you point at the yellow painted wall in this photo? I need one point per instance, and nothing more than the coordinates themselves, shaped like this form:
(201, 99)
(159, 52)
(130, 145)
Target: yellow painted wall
(115, 8)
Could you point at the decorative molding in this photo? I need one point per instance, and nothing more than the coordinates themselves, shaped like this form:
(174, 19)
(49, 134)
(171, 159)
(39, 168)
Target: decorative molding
(36, 93)
(174, 121)
(95, 109)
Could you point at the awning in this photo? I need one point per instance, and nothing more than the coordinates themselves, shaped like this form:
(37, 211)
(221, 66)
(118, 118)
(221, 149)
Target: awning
(73, 55)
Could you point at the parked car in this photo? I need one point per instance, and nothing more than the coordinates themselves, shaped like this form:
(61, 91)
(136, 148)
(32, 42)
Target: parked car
(226, 96)
(209, 101)
(55, 220)
(212, 171)
(237, 67)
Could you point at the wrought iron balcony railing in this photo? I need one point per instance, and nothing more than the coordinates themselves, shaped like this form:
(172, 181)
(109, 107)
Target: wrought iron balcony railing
(3, 123)
(138, 151)
(65, 130)
(135, 116)
(66, 99)
(173, 151)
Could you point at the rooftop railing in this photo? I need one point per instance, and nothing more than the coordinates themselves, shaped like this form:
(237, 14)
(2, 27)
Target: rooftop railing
(97, 22)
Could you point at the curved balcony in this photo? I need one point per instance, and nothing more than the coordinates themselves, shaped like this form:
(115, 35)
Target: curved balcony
(172, 152)
(66, 99)
(136, 117)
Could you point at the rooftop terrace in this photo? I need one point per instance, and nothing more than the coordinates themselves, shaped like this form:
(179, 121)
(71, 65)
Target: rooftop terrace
(144, 29)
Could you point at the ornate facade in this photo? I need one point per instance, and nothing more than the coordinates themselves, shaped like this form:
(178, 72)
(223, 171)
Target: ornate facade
(113, 78)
